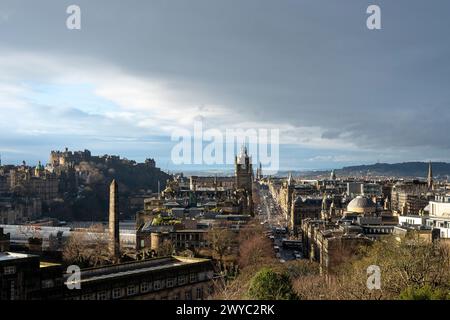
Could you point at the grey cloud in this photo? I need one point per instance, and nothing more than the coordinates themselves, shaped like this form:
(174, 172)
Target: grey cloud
(303, 63)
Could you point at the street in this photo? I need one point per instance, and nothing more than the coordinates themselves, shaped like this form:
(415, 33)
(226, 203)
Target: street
(269, 213)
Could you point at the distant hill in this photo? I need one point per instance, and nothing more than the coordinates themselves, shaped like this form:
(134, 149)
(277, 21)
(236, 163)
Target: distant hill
(405, 169)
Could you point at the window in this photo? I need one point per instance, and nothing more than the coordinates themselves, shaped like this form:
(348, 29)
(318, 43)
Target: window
(102, 295)
(181, 280)
(90, 296)
(9, 270)
(170, 282)
(47, 284)
(199, 293)
(157, 285)
(145, 287)
(12, 295)
(117, 293)
(188, 295)
(193, 277)
(132, 290)
(142, 243)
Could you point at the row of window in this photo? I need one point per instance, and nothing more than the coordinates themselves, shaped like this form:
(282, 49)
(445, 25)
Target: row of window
(118, 293)
(180, 244)
(182, 237)
(411, 222)
(438, 224)
(147, 286)
(379, 230)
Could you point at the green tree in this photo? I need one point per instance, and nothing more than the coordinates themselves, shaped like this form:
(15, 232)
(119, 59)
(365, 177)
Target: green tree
(424, 293)
(270, 285)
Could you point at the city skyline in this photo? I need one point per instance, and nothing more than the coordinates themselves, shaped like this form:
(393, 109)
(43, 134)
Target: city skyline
(213, 158)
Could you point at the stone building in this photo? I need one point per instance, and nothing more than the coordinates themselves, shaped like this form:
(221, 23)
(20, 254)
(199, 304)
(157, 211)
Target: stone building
(303, 208)
(66, 157)
(26, 277)
(330, 244)
(15, 210)
(180, 239)
(167, 278)
(409, 197)
(197, 183)
(42, 184)
(364, 188)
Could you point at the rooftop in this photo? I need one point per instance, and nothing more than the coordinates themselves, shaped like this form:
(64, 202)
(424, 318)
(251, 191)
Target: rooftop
(8, 256)
(126, 269)
(45, 264)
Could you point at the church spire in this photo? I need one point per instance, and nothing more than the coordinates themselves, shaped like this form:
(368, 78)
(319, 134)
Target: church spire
(289, 181)
(430, 176)
(333, 175)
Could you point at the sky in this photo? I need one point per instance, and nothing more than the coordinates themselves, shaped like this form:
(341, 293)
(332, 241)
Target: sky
(137, 71)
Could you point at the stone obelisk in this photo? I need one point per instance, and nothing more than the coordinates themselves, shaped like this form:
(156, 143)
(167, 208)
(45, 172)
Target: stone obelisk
(114, 238)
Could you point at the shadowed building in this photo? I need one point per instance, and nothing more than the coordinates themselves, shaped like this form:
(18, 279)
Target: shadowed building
(4, 241)
(409, 198)
(114, 240)
(26, 277)
(166, 278)
(243, 170)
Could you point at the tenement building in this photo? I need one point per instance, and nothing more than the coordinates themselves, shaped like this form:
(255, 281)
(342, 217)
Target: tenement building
(40, 183)
(409, 197)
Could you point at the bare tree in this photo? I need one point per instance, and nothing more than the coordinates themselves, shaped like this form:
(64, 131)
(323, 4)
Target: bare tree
(87, 247)
(254, 250)
(221, 241)
(166, 248)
